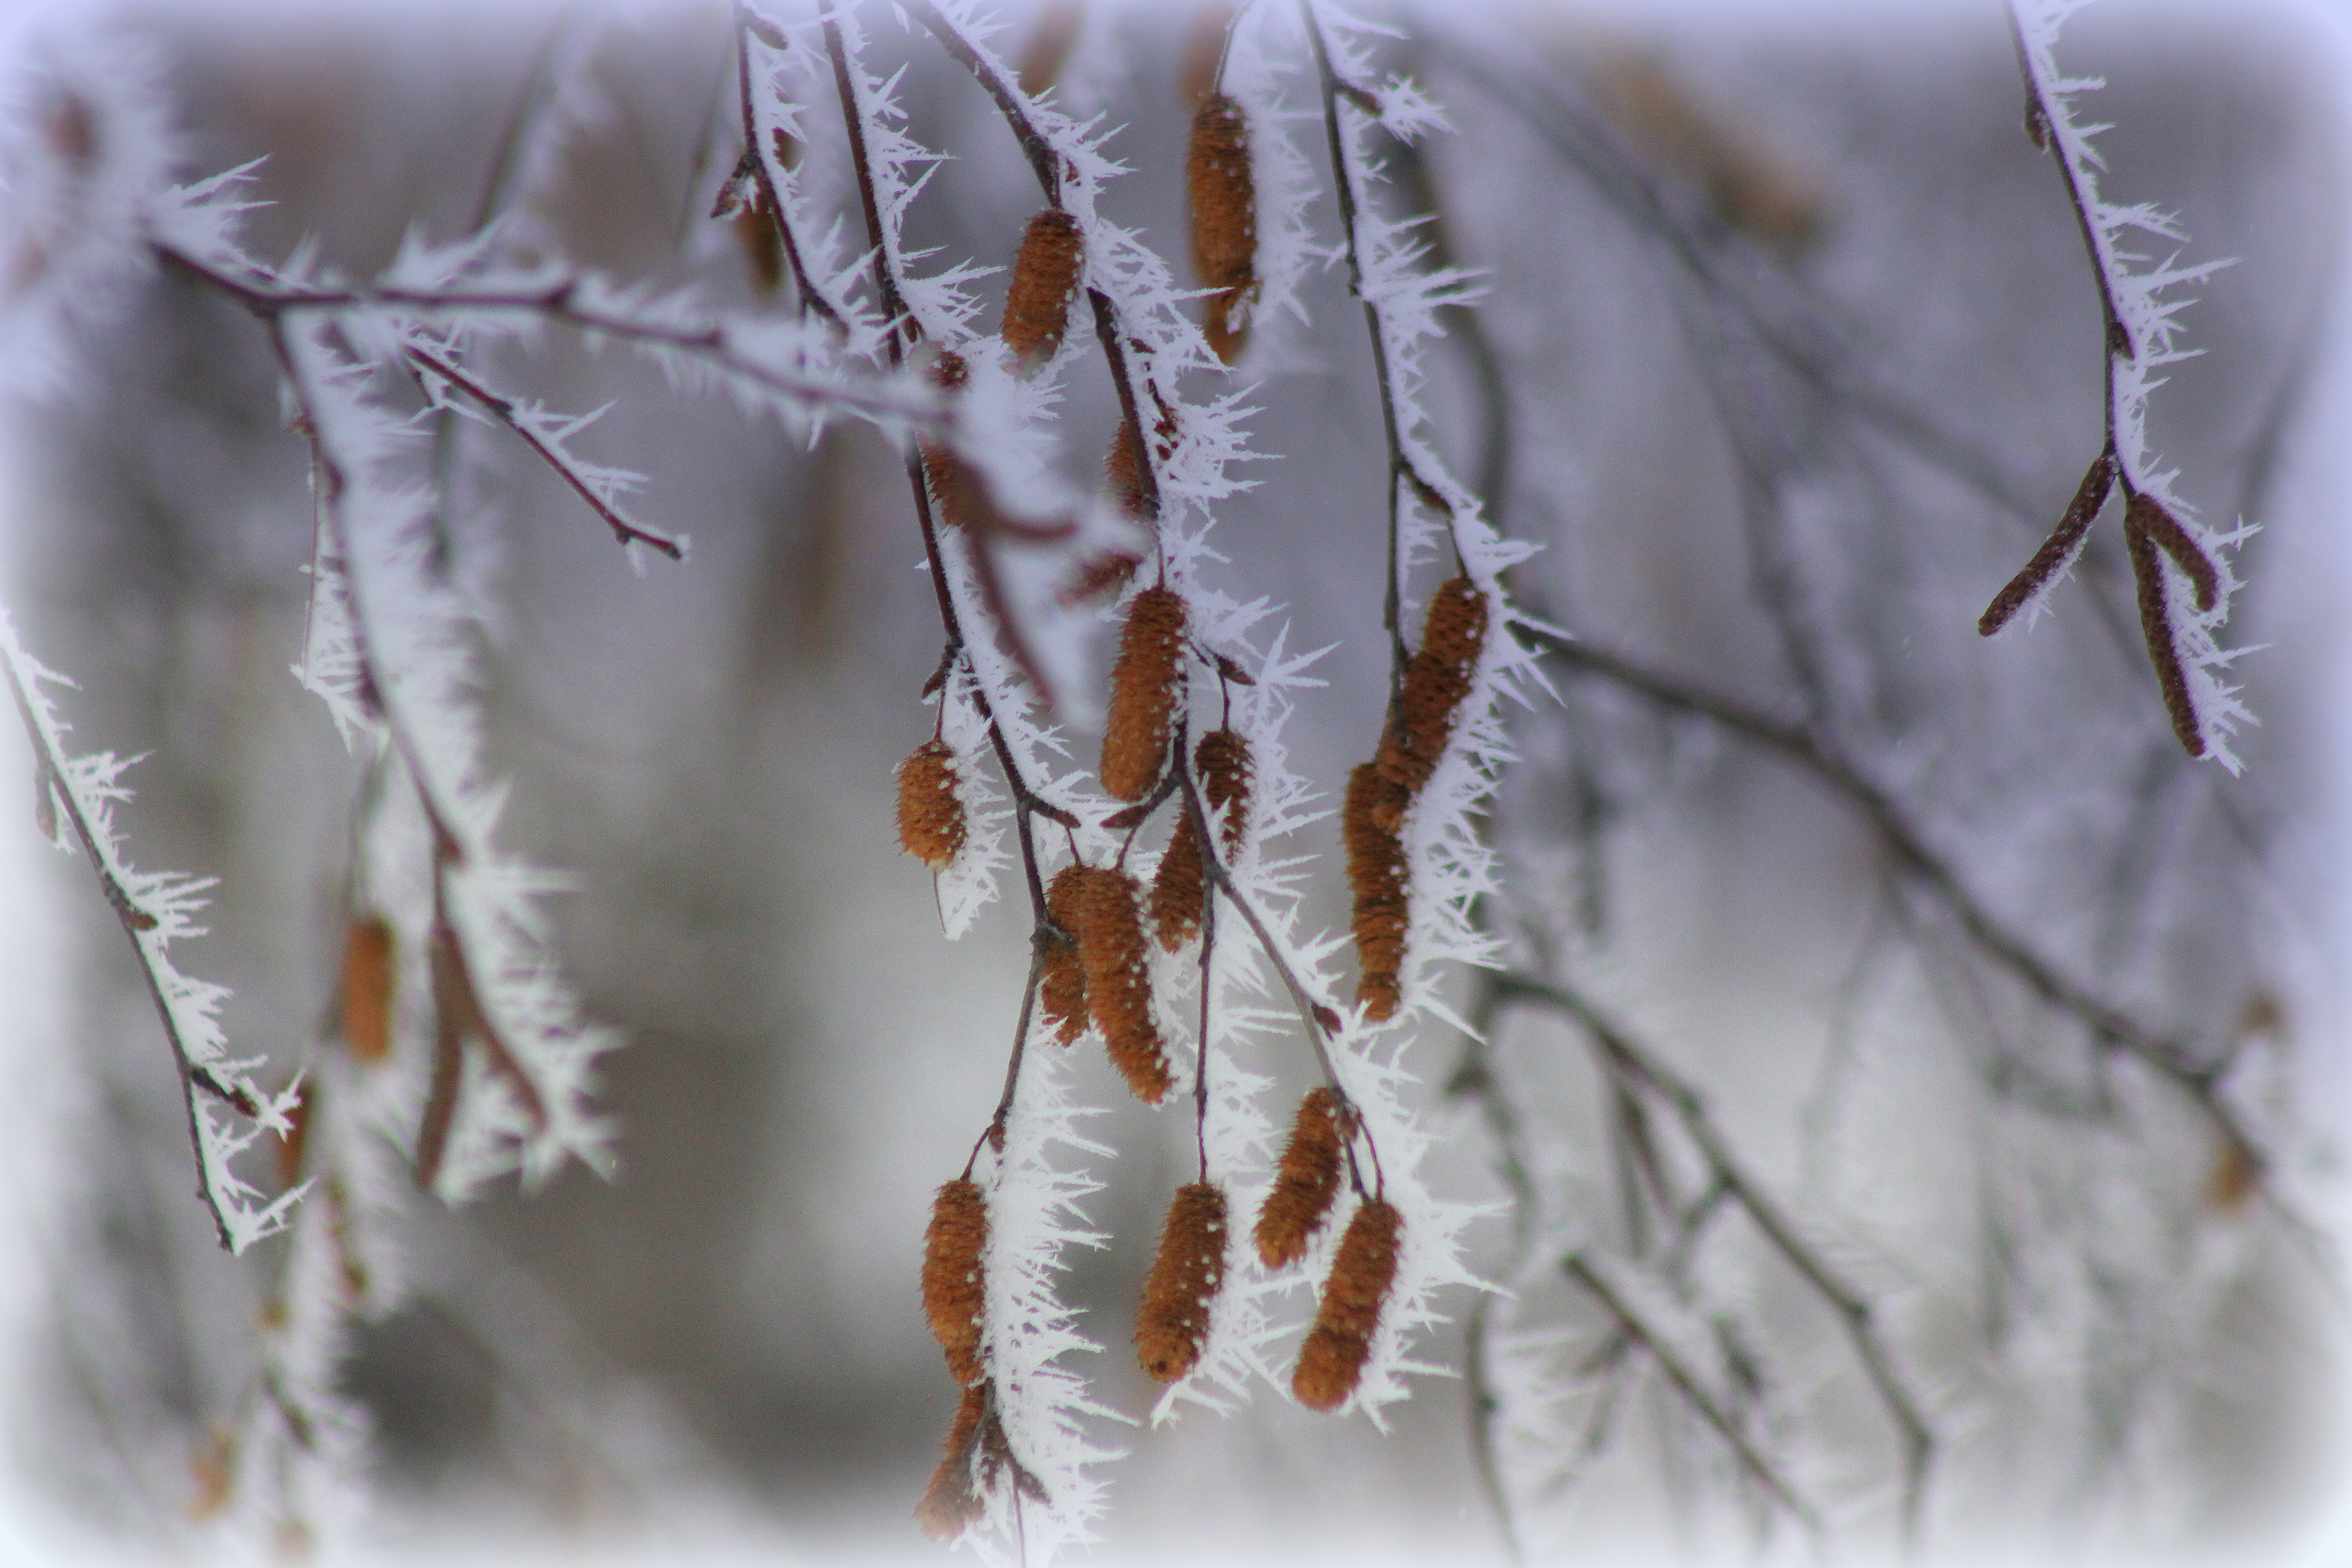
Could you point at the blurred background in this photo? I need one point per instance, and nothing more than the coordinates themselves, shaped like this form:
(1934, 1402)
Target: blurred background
(1788, 354)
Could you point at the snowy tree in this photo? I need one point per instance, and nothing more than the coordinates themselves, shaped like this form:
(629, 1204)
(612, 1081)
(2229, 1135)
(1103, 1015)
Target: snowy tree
(1350, 699)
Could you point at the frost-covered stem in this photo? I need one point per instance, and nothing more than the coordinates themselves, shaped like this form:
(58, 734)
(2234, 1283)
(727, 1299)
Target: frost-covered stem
(895, 317)
(1476, 1078)
(502, 409)
(1320, 1019)
(49, 779)
(558, 302)
(2040, 125)
(995, 1134)
(901, 332)
(1625, 1059)
(1344, 179)
(757, 151)
(1111, 328)
(536, 91)
(2170, 1058)
(1693, 1391)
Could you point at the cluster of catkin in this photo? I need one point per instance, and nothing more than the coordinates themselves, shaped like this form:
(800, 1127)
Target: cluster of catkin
(1437, 680)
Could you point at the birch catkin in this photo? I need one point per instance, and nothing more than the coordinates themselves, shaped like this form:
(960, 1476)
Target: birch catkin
(1305, 1183)
(1222, 761)
(1376, 875)
(1062, 982)
(1045, 278)
(1436, 680)
(1332, 1361)
(930, 815)
(1224, 202)
(368, 989)
(1174, 1321)
(1143, 693)
(1177, 887)
(954, 1295)
(950, 1504)
(1119, 987)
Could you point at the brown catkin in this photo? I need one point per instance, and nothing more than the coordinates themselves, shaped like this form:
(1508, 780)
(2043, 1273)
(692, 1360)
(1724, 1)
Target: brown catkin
(1177, 887)
(1062, 982)
(1332, 1361)
(1143, 693)
(950, 1504)
(954, 1295)
(1123, 470)
(1436, 680)
(368, 987)
(1045, 277)
(1305, 1183)
(930, 816)
(1222, 761)
(1376, 875)
(1174, 1321)
(1224, 202)
(1119, 987)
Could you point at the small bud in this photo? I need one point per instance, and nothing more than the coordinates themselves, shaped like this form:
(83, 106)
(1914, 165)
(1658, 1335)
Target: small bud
(1436, 680)
(1061, 985)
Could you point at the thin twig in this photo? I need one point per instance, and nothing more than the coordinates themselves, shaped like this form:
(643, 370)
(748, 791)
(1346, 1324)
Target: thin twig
(1694, 1393)
(504, 411)
(1628, 1058)
(50, 774)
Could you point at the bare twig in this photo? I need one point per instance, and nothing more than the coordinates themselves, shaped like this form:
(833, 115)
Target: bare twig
(49, 779)
(1694, 1392)
(1628, 1059)
(504, 410)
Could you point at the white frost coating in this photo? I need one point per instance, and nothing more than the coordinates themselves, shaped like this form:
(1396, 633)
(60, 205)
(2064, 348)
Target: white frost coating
(1033, 1214)
(159, 908)
(415, 642)
(2146, 311)
(969, 883)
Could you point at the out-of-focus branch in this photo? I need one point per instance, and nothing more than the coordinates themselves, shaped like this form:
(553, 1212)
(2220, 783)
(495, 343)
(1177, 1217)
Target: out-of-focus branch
(1629, 1061)
(1694, 1393)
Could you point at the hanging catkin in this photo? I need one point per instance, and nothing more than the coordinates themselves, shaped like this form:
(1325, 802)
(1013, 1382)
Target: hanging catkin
(1177, 887)
(1332, 1361)
(1119, 987)
(1123, 470)
(368, 987)
(1062, 980)
(1436, 680)
(1174, 1321)
(954, 1295)
(1223, 204)
(1222, 761)
(930, 815)
(1376, 874)
(950, 1504)
(1045, 278)
(1143, 693)
(1305, 1183)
